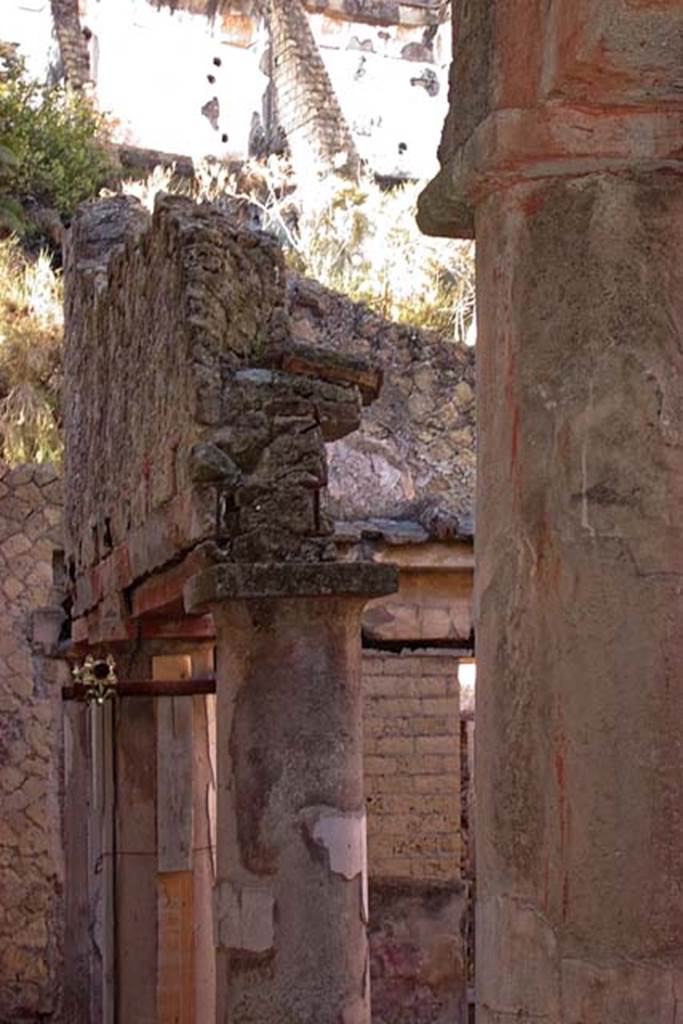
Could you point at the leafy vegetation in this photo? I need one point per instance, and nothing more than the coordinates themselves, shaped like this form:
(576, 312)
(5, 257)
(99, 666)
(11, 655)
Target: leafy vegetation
(49, 135)
(11, 214)
(31, 328)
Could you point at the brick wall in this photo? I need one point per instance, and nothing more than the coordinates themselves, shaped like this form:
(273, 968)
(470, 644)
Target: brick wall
(420, 905)
(412, 765)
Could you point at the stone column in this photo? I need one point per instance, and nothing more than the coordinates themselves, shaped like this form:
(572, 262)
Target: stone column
(567, 147)
(291, 863)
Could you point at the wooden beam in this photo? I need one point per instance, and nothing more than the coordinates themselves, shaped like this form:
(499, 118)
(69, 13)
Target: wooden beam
(175, 841)
(174, 767)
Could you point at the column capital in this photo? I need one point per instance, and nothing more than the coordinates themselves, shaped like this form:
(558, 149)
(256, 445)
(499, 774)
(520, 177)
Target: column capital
(555, 90)
(235, 581)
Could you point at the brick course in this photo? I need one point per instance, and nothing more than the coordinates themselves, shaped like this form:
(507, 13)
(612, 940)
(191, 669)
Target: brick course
(412, 765)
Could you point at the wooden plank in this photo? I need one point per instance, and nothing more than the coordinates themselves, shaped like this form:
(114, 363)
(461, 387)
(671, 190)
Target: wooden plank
(79, 959)
(174, 768)
(175, 841)
(136, 862)
(176, 965)
(204, 836)
(95, 855)
(328, 365)
(108, 714)
(101, 866)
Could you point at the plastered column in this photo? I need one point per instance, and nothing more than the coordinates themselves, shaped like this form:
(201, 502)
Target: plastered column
(580, 627)
(291, 891)
(562, 152)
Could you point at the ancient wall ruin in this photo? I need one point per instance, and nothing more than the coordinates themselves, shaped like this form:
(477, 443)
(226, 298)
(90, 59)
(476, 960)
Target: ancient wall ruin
(307, 107)
(31, 859)
(219, 442)
(160, 406)
(412, 765)
(372, 52)
(414, 454)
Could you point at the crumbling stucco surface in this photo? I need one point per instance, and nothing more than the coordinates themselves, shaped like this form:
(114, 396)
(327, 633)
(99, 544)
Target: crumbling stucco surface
(417, 952)
(580, 606)
(564, 144)
(413, 456)
(31, 862)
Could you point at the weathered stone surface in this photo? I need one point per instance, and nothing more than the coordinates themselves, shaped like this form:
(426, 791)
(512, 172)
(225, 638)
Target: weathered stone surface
(291, 868)
(599, 94)
(231, 581)
(183, 422)
(31, 861)
(414, 454)
(412, 742)
(308, 109)
(564, 148)
(579, 634)
(180, 299)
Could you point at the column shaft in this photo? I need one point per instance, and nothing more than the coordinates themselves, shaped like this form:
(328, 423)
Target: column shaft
(291, 817)
(580, 620)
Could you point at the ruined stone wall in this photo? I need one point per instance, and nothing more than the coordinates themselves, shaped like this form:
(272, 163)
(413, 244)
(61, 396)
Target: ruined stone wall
(31, 862)
(307, 106)
(183, 421)
(414, 454)
(73, 47)
(190, 297)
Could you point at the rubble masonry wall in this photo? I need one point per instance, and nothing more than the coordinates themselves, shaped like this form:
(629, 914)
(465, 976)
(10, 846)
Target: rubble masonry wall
(31, 863)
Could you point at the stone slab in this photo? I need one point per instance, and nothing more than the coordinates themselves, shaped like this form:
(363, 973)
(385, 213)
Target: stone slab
(233, 581)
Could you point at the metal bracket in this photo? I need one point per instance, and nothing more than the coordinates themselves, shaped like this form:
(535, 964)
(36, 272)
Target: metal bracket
(95, 680)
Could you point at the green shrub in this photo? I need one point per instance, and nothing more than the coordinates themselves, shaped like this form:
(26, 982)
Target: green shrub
(11, 213)
(52, 133)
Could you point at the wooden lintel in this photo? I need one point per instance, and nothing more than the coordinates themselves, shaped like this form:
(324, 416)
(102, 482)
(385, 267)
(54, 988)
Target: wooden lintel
(192, 627)
(334, 367)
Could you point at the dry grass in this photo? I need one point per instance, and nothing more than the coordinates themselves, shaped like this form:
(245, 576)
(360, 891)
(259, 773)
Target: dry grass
(358, 239)
(31, 331)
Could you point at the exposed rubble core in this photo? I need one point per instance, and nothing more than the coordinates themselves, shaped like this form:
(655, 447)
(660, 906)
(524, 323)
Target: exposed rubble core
(221, 442)
(413, 456)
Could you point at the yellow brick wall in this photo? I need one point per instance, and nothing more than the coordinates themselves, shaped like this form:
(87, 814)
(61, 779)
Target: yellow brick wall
(412, 765)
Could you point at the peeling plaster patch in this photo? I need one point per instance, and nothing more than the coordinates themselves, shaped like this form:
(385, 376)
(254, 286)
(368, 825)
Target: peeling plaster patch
(244, 916)
(344, 836)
